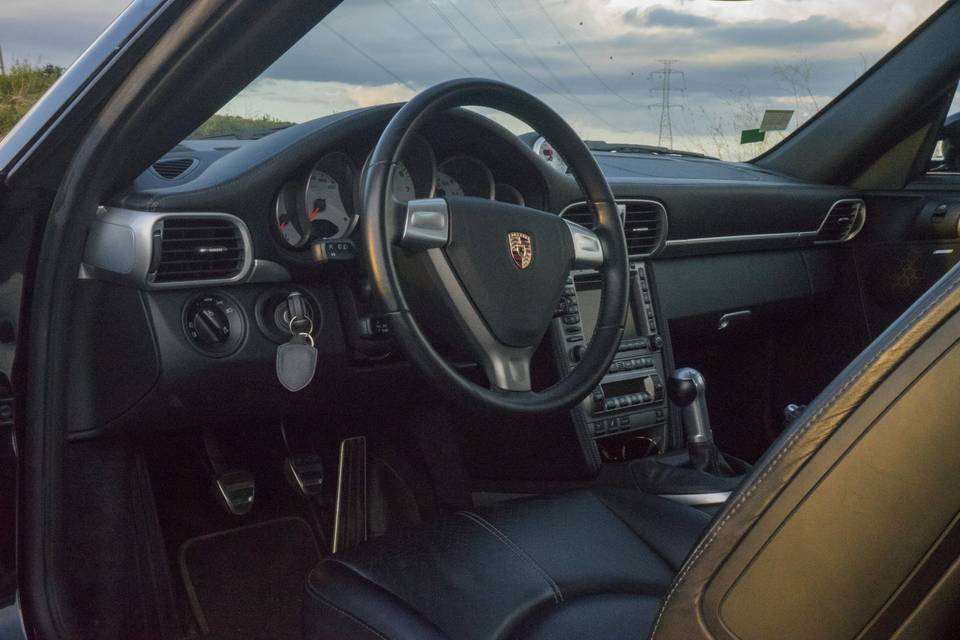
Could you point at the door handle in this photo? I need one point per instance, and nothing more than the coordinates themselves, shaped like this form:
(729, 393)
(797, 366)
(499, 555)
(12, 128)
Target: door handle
(727, 320)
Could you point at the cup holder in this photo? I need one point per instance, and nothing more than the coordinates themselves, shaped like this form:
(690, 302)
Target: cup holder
(627, 447)
(638, 447)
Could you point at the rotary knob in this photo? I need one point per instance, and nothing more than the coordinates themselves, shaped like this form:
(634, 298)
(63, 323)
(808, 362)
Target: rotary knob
(213, 324)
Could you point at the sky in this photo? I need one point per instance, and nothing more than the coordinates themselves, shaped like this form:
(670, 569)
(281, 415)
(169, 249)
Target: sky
(594, 61)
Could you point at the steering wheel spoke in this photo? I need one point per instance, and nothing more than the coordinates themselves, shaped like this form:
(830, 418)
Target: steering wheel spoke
(587, 249)
(426, 225)
(507, 368)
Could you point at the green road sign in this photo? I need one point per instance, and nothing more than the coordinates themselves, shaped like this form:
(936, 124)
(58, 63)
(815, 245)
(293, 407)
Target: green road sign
(751, 135)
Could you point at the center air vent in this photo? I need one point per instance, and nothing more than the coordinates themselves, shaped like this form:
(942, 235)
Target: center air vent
(644, 223)
(195, 248)
(843, 221)
(173, 168)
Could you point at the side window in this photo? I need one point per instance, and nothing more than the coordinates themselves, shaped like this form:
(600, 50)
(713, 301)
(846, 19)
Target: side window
(946, 155)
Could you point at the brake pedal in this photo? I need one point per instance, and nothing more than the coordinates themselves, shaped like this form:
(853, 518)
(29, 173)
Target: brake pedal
(304, 472)
(234, 489)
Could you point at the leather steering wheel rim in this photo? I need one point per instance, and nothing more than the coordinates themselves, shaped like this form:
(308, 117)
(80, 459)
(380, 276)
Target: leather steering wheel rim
(384, 219)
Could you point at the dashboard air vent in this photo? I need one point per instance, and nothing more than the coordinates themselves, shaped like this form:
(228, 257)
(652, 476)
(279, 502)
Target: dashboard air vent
(843, 221)
(173, 168)
(194, 248)
(644, 223)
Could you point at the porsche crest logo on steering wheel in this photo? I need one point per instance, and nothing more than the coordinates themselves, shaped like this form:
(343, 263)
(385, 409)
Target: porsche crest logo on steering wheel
(521, 248)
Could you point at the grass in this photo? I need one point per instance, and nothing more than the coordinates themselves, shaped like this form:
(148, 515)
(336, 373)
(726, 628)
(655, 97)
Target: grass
(24, 84)
(220, 125)
(20, 87)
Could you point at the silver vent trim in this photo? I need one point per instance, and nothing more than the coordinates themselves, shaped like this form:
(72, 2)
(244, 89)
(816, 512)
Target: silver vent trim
(580, 213)
(123, 246)
(858, 213)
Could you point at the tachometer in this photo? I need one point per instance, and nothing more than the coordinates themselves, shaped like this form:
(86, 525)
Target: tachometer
(415, 175)
(404, 189)
(467, 175)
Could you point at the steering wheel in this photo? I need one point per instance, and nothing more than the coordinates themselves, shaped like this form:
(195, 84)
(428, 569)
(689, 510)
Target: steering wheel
(490, 274)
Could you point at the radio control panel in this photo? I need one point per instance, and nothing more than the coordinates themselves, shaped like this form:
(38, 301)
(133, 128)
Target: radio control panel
(631, 397)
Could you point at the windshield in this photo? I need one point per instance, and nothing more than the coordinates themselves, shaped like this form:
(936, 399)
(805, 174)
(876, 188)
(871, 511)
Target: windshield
(720, 78)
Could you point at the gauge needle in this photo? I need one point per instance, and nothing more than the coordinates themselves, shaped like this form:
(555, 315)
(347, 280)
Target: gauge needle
(313, 214)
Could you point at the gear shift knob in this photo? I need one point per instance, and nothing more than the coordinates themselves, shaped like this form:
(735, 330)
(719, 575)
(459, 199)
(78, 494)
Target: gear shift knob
(687, 389)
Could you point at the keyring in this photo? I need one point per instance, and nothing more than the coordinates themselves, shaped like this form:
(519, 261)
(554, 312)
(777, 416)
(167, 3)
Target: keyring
(294, 319)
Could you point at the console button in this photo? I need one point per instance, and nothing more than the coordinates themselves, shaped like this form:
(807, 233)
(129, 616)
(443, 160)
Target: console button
(610, 404)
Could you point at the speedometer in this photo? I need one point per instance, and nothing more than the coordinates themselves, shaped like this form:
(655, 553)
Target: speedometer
(447, 186)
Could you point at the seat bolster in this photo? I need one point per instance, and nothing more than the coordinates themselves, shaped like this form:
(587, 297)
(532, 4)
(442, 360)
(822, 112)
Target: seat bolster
(669, 528)
(351, 606)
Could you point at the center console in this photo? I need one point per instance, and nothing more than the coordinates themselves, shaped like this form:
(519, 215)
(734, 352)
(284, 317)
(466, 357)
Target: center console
(628, 413)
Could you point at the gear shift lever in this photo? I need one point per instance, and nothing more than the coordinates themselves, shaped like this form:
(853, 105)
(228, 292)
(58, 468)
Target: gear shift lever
(688, 390)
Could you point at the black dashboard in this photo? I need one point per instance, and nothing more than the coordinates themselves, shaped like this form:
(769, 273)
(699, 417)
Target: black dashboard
(214, 237)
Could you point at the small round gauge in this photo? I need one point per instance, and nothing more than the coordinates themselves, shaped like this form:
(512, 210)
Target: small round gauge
(404, 189)
(549, 155)
(508, 193)
(447, 186)
(469, 174)
(290, 229)
(328, 197)
(318, 204)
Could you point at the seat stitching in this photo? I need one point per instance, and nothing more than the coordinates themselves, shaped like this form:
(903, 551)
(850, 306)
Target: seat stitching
(502, 537)
(705, 544)
(343, 612)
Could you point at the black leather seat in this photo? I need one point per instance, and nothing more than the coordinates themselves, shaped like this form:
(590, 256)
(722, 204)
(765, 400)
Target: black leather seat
(848, 527)
(587, 564)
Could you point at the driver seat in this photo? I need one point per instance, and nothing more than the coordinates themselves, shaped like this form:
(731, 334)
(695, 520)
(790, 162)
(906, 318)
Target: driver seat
(848, 527)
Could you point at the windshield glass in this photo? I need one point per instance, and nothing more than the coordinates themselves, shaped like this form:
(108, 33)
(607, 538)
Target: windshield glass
(720, 78)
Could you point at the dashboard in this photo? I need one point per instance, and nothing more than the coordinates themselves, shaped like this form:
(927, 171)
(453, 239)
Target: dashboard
(198, 257)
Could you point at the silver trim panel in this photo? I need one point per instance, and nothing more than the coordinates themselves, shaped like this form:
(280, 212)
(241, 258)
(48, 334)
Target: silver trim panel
(426, 225)
(751, 237)
(698, 499)
(120, 243)
(587, 250)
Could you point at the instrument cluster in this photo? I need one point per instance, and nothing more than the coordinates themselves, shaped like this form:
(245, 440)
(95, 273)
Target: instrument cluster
(322, 202)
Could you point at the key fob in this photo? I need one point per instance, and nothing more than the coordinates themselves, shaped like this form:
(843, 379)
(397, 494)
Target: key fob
(296, 362)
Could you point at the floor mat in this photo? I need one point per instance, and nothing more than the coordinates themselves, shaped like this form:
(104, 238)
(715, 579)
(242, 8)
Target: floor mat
(248, 583)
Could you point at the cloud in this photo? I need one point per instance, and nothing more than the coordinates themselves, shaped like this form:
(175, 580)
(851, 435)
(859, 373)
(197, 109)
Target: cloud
(663, 17)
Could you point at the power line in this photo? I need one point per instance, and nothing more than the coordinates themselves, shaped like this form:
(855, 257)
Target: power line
(563, 86)
(666, 123)
(465, 40)
(414, 26)
(522, 68)
(367, 56)
(582, 61)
